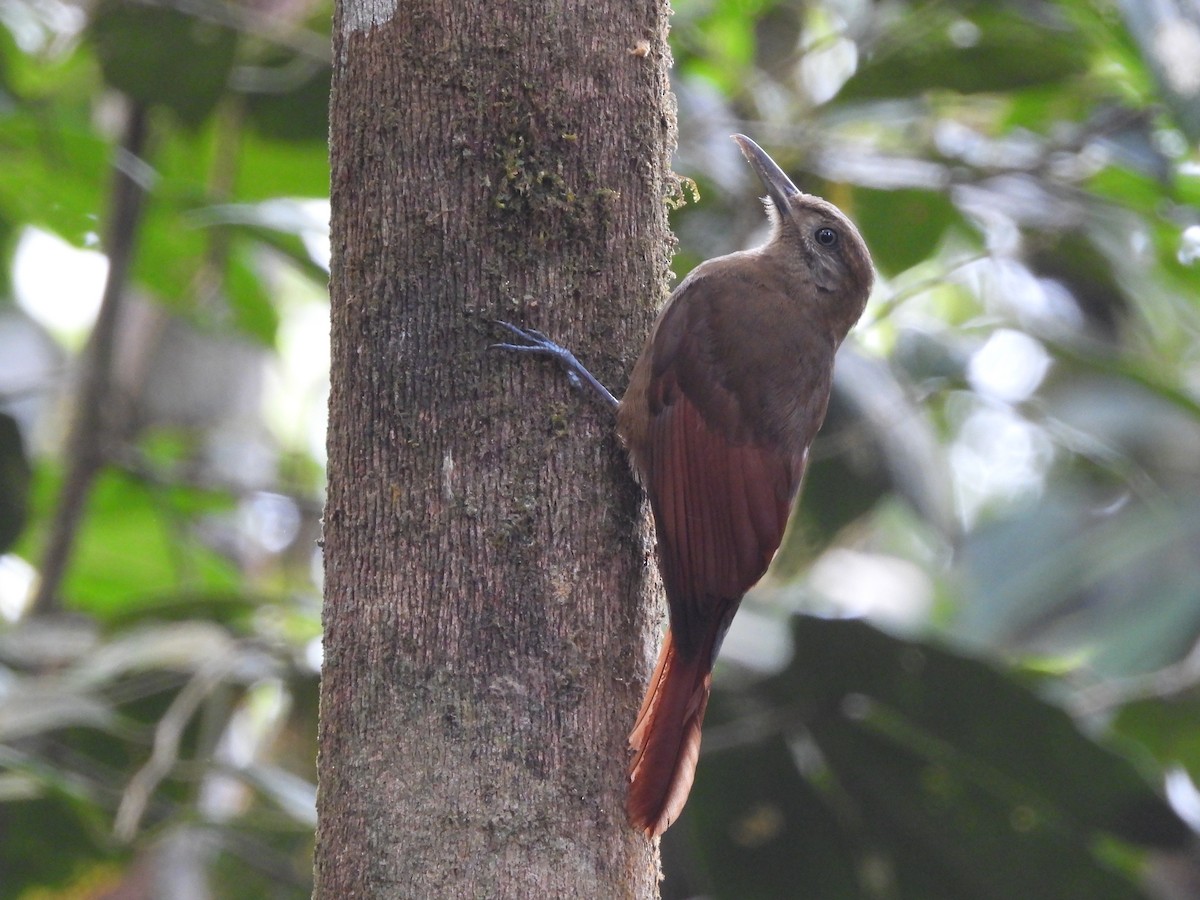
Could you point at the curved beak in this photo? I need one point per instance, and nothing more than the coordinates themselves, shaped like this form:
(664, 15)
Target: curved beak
(779, 186)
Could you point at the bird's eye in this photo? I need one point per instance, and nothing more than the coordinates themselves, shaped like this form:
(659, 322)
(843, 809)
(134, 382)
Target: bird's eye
(826, 237)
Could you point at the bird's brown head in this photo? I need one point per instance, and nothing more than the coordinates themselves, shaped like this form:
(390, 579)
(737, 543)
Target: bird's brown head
(820, 248)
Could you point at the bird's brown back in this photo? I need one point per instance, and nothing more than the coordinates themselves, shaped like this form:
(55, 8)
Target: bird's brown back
(726, 398)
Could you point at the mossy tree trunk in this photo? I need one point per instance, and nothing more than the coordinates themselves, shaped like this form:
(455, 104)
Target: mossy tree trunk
(488, 622)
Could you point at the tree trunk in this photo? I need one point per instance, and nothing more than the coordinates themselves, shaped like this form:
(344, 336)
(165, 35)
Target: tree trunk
(488, 615)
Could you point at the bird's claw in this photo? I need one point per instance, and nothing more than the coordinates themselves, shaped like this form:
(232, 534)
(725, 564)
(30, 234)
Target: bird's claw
(536, 342)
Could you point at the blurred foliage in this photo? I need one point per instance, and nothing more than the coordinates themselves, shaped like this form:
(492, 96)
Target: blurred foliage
(1007, 489)
(887, 756)
(1010, 469)
(157, 736)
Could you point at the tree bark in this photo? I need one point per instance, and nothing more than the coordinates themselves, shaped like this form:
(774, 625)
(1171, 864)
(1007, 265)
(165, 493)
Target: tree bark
(489, 622)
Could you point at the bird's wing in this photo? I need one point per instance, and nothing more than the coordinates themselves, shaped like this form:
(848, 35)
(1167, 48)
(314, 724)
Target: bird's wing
(720, 492)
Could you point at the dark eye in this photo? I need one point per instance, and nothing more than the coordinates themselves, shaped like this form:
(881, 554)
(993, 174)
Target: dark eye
(827, 237)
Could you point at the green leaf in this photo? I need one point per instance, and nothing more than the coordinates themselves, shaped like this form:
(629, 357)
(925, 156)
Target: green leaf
(27, 826)
(1165, 728)
(8, 52)
(271, 168)
(928, 774)
(179, 223)
(55, 173)
(253, 312)
(1037, 570)
(161, 56)
(171, 249)
(989, 730)
(1042, 107)
(135, 545)
(956, 829)
(718, 44)
(902, 227)
(1128, 187)
(298, 114)
(765, 826)
(976, 48)
(278, 224)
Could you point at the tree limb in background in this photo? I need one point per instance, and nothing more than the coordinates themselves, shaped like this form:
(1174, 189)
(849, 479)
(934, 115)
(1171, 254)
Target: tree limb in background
(93, 413)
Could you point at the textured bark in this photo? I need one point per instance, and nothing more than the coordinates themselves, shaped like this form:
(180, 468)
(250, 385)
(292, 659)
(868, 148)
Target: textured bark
(488, 618)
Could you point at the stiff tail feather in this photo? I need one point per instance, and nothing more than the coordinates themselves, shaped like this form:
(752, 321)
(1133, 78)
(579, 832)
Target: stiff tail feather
(666, 738)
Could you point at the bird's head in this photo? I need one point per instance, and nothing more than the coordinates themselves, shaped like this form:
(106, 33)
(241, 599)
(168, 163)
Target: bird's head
(812, 236)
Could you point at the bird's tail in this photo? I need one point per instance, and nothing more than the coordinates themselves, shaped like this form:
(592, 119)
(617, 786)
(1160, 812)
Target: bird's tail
(666, 738)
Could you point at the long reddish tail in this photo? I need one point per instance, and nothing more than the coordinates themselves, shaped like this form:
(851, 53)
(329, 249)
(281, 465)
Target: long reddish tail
(666, 738)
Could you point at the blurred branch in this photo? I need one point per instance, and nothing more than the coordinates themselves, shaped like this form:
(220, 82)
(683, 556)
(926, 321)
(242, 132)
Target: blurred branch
(135, 462)
(1164, 684)
(887, 306)
(93, 415)
(45, 384)
(753, 728)
(1167, 33)
(1107, 457)
(1107, 364)
(167, 736)
(262, 856)
(210, 279)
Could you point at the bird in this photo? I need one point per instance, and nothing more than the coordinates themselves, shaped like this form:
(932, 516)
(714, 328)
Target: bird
(718, 417)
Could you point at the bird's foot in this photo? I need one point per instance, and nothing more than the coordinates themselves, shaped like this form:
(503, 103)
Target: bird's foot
(533, 341)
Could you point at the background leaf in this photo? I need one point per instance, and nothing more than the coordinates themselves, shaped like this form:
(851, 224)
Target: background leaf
(162, 56)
